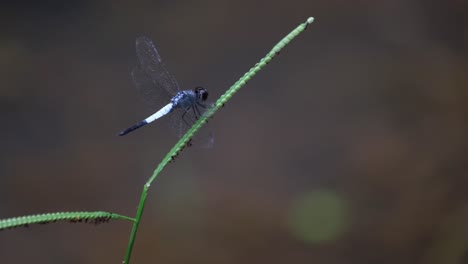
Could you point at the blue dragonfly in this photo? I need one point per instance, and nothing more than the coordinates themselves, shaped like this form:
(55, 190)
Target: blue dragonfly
(161, 90)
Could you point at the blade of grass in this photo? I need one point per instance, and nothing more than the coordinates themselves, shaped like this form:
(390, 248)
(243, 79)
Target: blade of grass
(180, 145)
(74, 217)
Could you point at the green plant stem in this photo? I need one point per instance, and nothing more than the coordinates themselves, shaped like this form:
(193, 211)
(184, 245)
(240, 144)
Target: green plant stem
(184, 140)
(74, 217)
(136, 223)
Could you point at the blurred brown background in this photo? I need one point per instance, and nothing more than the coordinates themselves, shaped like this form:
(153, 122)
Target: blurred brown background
(350, 147)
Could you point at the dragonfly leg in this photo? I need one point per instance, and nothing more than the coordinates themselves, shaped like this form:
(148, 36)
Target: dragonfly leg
(200, 104)
(183, 115)
(196, 111)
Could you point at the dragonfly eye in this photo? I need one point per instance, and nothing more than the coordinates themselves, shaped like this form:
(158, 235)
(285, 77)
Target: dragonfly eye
(201, 93)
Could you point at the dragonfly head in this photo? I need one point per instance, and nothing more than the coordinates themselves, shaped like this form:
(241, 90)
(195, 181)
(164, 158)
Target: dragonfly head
(201, 93)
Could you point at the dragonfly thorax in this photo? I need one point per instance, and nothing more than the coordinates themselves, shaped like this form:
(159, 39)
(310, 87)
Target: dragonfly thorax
(188, 98)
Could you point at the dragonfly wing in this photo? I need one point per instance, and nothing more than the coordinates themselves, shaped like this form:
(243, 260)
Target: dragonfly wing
(152, 80)
(146, 89)
(204, 137)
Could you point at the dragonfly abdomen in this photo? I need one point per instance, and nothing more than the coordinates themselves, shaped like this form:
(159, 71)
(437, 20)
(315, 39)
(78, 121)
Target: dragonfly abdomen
(162, 112)
(132, 128)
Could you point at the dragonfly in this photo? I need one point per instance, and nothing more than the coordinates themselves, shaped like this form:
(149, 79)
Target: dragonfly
(158, 87)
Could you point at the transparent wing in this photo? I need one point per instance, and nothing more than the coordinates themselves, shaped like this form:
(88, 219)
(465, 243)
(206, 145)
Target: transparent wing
(204, 137)
(152, 80)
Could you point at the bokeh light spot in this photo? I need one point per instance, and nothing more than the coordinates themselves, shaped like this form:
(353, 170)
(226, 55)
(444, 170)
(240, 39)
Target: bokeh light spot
(318, 217)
